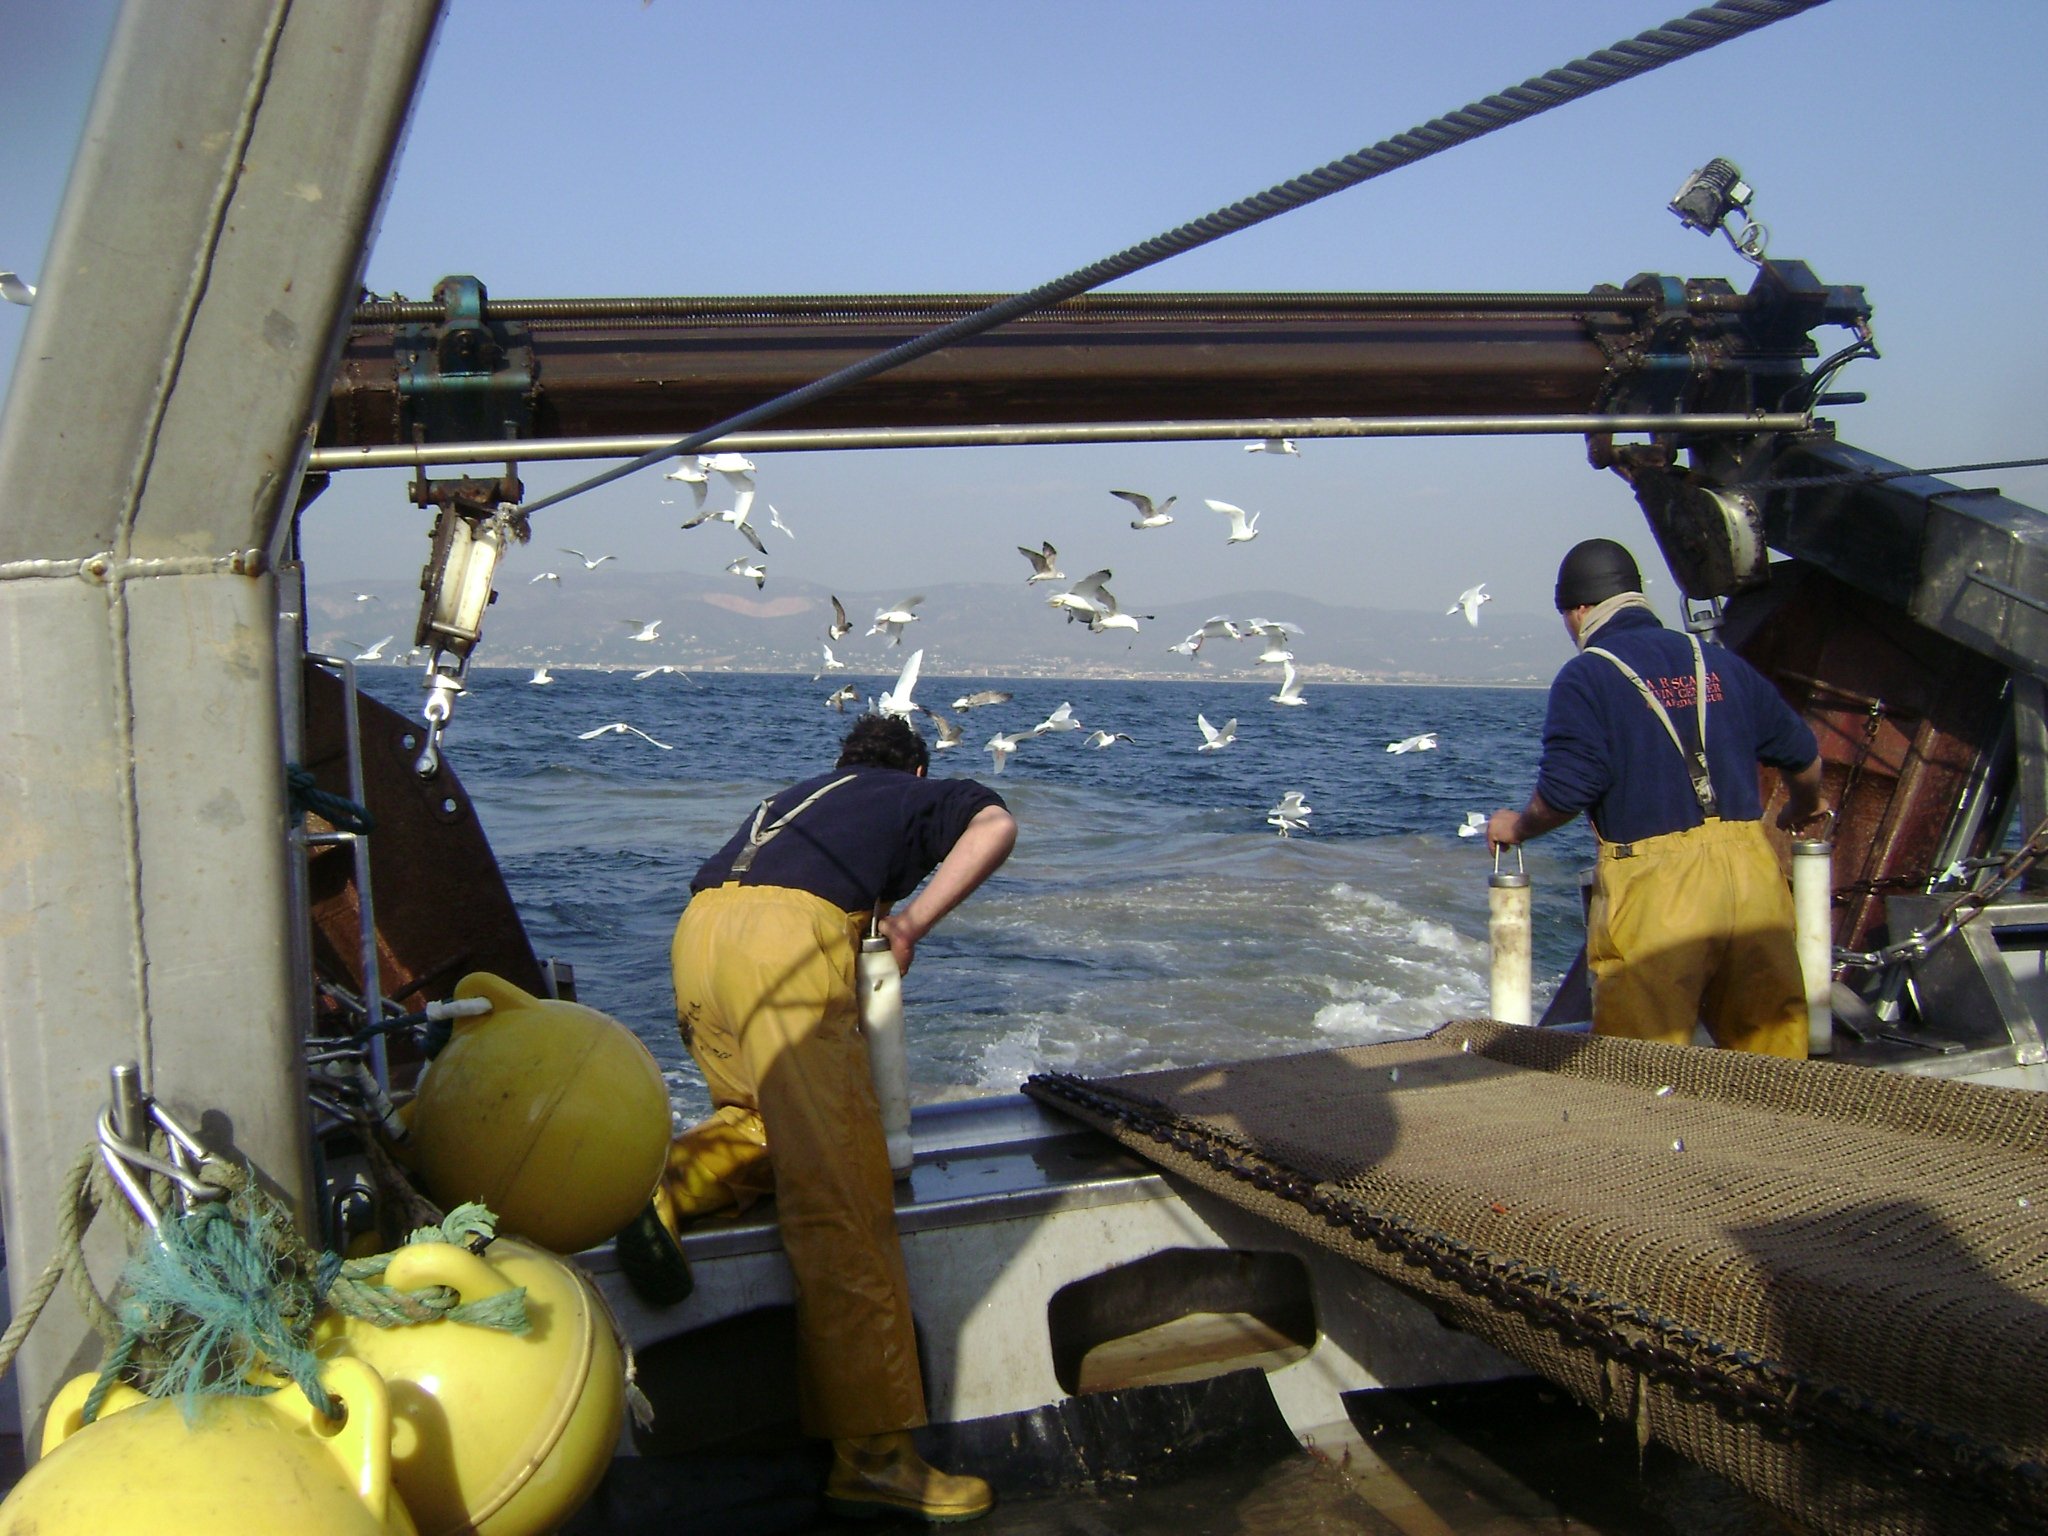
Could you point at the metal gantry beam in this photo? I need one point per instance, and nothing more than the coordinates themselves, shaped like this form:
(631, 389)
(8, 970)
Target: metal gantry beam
(206, 258)
(845, 439)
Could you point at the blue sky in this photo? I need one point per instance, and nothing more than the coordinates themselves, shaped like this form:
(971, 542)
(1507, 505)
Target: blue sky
(615, 147)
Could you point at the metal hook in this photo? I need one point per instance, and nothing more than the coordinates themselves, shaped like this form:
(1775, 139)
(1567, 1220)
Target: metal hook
(441, 691)
(124, 1127)
(1520, 868)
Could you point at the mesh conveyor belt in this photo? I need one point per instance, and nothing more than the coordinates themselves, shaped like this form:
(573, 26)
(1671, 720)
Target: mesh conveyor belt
(1827, 1283)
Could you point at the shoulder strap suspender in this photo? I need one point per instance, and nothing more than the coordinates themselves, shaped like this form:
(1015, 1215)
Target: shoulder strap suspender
(759, 837)
(1695, 761)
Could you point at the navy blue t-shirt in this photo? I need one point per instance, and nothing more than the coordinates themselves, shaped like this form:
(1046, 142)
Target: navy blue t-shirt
(1606, 753)
(871, 840)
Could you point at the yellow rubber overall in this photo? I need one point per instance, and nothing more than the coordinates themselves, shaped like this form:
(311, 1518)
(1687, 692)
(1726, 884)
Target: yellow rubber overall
(765, 998)
(1696, 925)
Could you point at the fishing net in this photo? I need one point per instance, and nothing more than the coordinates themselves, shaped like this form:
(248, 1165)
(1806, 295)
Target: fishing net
(1828, 1284)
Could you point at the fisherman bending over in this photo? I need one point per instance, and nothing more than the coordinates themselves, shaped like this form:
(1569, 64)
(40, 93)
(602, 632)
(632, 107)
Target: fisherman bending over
(1692, 915)
(764, 961)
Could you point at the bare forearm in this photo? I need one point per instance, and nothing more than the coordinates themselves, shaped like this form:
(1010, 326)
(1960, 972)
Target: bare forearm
(979, 853)
(1506, 828)
(1802, 797)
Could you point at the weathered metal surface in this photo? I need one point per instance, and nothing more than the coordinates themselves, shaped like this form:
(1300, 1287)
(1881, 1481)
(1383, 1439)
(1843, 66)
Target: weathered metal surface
(609, 378)
(1904, 717)
(441, 905)
(208, 249)
(1971, 564)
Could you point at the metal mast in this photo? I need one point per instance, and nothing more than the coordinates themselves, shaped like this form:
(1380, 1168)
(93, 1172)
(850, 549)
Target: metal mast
(210, 248)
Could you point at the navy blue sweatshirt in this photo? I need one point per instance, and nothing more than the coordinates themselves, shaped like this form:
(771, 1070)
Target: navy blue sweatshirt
(871, 840)
(1606, 753)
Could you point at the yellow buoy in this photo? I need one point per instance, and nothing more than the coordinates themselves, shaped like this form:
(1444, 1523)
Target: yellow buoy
(551, 1114)
(254, 1465)
(497, 1433)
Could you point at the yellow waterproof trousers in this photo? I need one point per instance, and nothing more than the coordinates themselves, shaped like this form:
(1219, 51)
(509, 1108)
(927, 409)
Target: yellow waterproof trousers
(1696, 925)
(765, 999)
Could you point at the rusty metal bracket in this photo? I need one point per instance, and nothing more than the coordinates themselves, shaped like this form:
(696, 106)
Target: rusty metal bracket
(466, 376)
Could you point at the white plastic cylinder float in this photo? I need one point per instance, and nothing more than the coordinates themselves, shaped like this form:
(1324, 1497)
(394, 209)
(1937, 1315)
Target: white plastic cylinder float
(1813, 928)
(881, 1023)
(1507, 927)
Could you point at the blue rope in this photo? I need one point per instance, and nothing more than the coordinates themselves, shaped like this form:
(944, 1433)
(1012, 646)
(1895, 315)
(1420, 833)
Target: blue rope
(1692, 33)
(342, 813)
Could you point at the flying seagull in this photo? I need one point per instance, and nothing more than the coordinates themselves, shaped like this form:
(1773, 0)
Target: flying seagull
(747, 570)
(897, 700)
(1213, 739)
(1242, 530)
(1212, 628)
(1274, 445)
(1426, 742)
(981, 700)
(1001, 746)
(1105, 739)
(540, 678)
(1149, 514)
(588, 563)
(375, 652)
(1044, 563)
(737, 470)
(890, 621)
(1290, 687)
(1291, 814)
(14, 290)
(841, 627)
(1475, 824)
(649, 629)
(366, 597)
(832, 663)
(1468, 603)
(692, 475)
(841, 697)
(775, 521)
(734, 466)
(1085, 596)
(1277, 632)
(949, 733)
(737, 516)
(543, 576)
(619, 726)
(1107, 615)
(1061, 719)
(642, 675)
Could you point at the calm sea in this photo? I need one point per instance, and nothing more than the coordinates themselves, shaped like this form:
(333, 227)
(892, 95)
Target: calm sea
(1149, 916)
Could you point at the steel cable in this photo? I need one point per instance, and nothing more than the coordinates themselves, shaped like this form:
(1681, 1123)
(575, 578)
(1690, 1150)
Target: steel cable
(1692, 33)
(1879, 476)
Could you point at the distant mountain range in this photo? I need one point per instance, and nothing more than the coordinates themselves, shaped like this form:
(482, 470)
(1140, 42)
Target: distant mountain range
(587, 618)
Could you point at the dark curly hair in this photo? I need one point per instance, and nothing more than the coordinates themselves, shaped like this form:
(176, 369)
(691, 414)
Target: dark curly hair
(883, 741)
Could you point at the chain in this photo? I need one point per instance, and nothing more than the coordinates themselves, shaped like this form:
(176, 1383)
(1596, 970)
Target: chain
(1966, 905)
(1749, 1384)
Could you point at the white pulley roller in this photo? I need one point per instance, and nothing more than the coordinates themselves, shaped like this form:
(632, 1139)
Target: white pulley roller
(881, 1025)
(1507, 928)
(1813, 928)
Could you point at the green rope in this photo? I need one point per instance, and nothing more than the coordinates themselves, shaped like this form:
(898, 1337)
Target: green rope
(229, 1294)
(340, 812)
(472, 1226)
(226, 1292)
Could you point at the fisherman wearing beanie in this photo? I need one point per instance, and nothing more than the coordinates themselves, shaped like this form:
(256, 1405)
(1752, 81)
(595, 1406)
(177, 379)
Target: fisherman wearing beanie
(1692, 914)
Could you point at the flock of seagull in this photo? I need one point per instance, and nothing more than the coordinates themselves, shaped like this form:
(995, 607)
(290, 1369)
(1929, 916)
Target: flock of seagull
(1088, 601)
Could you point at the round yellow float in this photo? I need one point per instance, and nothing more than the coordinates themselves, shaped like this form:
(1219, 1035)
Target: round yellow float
(552, 1114)
(498, 1433)
(248, 1466)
